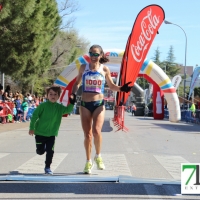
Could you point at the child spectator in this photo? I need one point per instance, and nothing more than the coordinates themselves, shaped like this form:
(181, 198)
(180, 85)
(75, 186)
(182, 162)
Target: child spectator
(10, 95)
(45, 123)
(10, 118)
(14, 113)
(25, 108)
(33, 105)
(18, 107)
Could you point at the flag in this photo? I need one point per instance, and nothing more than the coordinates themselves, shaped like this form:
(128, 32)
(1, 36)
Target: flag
(195, 76)
(176, 81)
(143, 32)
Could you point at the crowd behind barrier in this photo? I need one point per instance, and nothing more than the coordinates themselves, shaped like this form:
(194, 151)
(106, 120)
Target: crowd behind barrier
(16, 107)
(7, 116)
(186, 116)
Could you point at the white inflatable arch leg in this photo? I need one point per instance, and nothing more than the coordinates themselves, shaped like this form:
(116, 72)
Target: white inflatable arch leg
(158, 75)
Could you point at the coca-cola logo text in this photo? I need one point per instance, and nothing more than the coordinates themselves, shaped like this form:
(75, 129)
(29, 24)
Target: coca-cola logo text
(148, 27)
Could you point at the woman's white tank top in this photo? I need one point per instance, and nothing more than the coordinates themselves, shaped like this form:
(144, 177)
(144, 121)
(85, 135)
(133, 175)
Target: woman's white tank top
(93, 81)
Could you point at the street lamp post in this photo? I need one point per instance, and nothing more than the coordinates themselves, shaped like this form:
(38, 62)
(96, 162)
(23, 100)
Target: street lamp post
(167, 22)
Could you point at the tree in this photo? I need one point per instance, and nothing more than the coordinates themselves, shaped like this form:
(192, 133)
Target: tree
(197, 91)
(27, 30)
(172, 68)
(142, 82)
(65, 9)
(156, 58)
(65, 44)
(66, 48)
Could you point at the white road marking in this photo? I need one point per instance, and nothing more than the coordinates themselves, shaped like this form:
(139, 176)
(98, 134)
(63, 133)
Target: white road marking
(172, 164)
(115, 165)
(3, 155)
(37, 163)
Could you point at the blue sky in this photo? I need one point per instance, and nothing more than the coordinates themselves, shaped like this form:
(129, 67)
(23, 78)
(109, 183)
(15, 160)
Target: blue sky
(109, 23)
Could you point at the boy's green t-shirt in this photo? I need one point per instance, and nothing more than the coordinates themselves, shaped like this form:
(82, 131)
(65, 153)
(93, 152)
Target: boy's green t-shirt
(46, 118)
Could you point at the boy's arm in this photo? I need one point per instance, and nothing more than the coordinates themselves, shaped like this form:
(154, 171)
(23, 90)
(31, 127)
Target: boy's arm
(35, 117)
(67, 109)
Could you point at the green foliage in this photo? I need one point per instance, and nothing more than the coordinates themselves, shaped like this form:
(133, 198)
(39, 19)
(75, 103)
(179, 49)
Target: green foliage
(143, 83)
(67, 47)
(168, 66)
(172, 68)
(27, 30)
(156, 58)
(197, 91)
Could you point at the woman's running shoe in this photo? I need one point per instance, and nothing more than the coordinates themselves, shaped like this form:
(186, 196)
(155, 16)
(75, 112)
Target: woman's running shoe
(99, 162)
(88, 168)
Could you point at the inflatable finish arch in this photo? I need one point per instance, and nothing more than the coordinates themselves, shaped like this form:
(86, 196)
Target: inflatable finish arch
(149, 68)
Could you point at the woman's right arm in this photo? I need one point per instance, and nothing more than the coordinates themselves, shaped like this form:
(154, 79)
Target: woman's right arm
(78, 79)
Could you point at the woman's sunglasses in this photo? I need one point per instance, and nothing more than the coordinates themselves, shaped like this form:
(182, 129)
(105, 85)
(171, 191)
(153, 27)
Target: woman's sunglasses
(94, 54)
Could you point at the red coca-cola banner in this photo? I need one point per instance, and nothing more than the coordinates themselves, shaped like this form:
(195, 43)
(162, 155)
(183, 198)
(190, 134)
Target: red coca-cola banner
(143, 32)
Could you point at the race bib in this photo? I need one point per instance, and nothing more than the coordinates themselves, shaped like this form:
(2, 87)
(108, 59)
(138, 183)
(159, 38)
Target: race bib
(93, 82)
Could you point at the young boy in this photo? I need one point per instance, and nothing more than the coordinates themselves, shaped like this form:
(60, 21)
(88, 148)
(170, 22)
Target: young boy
(45, 123)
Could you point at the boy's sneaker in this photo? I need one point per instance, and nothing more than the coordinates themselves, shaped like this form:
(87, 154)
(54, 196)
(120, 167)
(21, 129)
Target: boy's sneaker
(48, 171)
(88, 168)
(99, 162)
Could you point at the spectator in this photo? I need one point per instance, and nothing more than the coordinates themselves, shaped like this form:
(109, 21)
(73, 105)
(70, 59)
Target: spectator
(25, 108)
(29, 97)
(193, 109)
(1, 95)
(18, 107)
(14, 113)
(7, 89)
(37, 102)
(74, 109)
(6, 97)
(1, 87)
(133, 109)
(33, 105)
(10, 95)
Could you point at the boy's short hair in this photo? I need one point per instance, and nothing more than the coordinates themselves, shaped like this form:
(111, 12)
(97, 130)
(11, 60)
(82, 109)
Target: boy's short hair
(56, 89)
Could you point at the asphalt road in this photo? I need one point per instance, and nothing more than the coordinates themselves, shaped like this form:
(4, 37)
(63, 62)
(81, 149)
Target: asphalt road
(143, 163)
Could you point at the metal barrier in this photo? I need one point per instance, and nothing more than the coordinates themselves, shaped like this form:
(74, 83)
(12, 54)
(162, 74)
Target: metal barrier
(118, 119)
(7, 108)
(186, 115)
